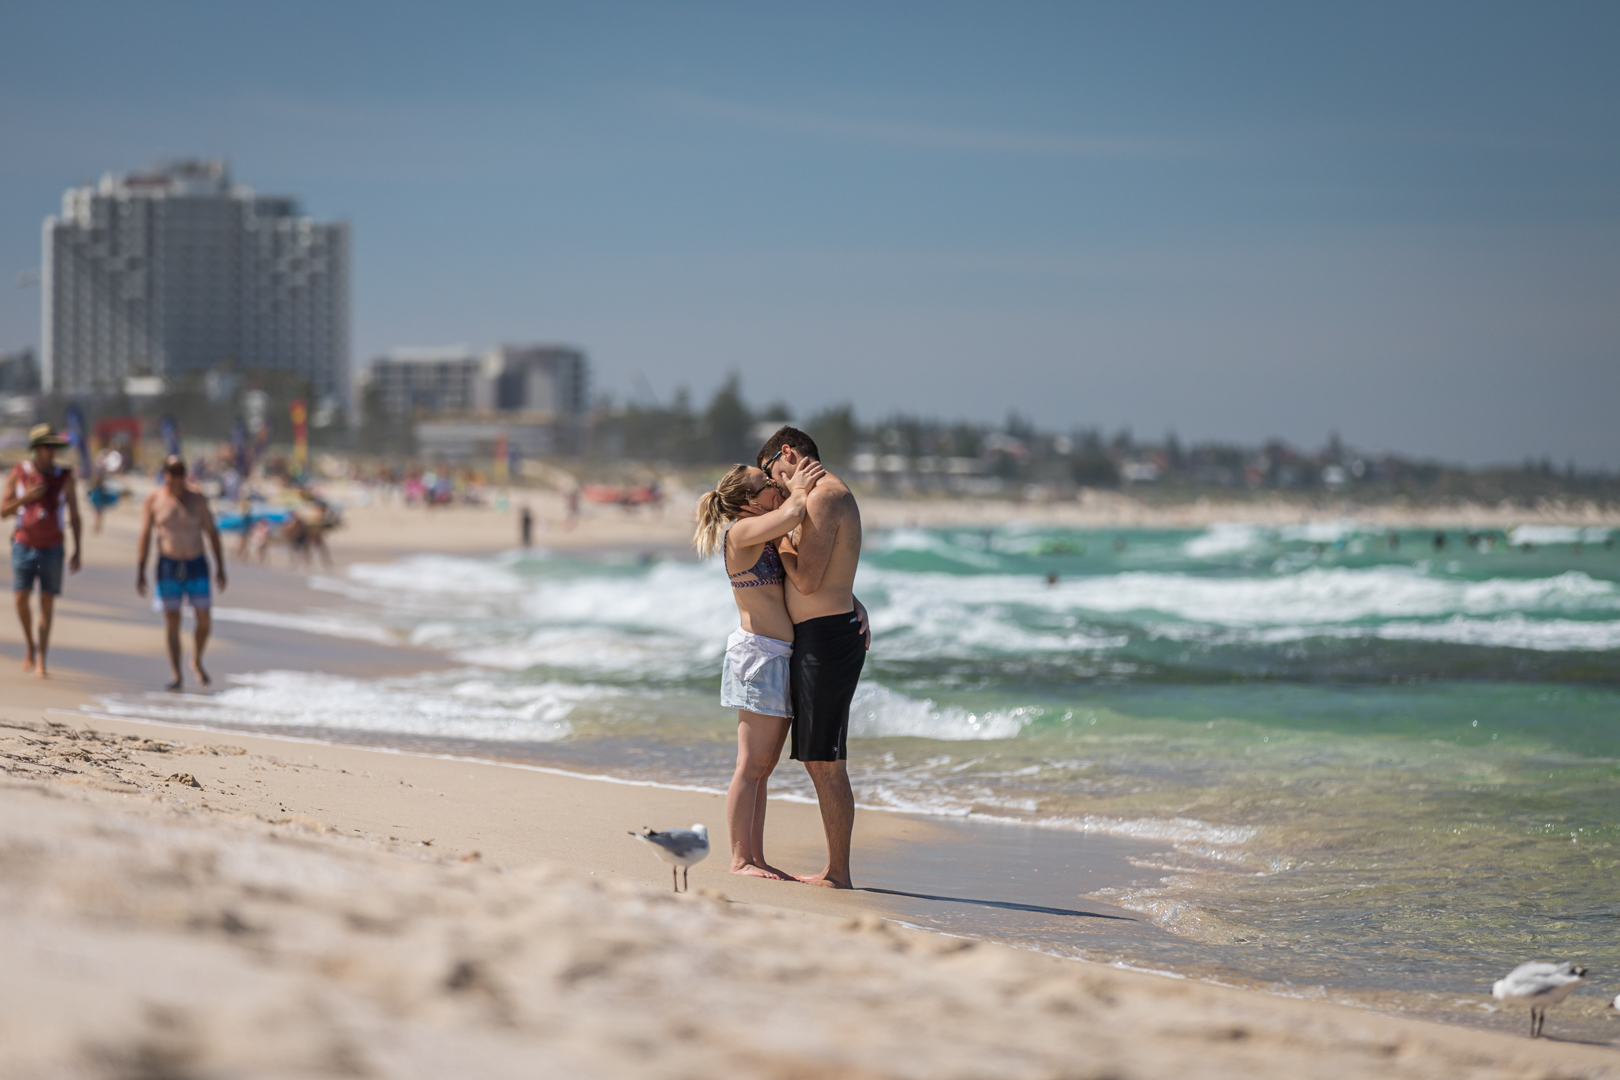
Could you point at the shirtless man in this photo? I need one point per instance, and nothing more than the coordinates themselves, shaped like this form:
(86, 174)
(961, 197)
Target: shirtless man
(829, 646)
(37, 491)
(181, 517)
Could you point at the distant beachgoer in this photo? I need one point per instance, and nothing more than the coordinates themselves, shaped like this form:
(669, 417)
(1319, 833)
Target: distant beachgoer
(181, 518)
(37, 490)
(264, 534)
(1052, 579)
(102, 498)
(1439, 541)
(1393, 538)
(102, 495)
(296, 533)
(830, 638)
(311, 522)
(526, 526)
(742, 519)
(244, 507)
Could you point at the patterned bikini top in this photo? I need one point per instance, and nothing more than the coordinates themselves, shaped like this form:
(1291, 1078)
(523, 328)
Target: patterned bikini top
(767, 571)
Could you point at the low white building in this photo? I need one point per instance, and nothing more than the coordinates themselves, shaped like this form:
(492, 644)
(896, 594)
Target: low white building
(462, 403)
(548, 379)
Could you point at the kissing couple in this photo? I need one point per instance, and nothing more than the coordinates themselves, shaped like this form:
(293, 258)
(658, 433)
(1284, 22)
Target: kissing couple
(790, 534)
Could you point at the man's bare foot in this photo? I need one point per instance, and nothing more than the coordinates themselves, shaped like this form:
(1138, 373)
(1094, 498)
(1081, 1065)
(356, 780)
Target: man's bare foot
(202, 676)
(28, 661)
(825, 882)
(749, 869)
(39, 669)
(176, 684)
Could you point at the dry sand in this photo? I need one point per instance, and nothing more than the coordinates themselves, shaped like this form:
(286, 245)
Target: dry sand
(177, 903)
(230, 906)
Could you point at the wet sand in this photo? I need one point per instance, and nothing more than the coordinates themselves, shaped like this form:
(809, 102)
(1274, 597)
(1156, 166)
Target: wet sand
(184, 903)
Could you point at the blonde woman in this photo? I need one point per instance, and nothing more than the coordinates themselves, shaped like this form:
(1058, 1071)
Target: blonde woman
(742, 518)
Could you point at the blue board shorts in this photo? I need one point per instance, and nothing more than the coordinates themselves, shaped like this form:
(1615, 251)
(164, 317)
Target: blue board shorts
(183, 579)
(30, 564)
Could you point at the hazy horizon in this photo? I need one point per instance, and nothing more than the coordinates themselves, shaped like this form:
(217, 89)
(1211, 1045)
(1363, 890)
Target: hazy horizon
(1398, 222)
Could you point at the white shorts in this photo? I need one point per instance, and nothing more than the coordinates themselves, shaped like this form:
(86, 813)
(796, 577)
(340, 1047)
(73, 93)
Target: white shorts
(755, 674)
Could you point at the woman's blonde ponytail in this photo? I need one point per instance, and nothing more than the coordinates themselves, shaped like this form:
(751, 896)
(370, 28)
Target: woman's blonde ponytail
(718, 508)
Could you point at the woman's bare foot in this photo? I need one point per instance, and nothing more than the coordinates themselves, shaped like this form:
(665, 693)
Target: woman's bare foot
(202, 676)
(39, 669)
(28, 661)
(176, 684)
(753, 870)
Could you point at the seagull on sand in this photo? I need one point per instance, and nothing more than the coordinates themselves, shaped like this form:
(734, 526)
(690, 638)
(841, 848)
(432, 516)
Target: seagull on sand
(681, 848)
(1539, 986)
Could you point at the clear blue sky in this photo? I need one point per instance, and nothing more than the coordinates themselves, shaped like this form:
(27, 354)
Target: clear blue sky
(1401, 221)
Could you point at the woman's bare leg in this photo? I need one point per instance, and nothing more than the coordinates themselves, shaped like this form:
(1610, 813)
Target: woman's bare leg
(758, 846)
(759, 740)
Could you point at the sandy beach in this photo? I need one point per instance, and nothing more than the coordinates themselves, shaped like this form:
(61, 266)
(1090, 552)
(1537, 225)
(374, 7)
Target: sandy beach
(185, 903)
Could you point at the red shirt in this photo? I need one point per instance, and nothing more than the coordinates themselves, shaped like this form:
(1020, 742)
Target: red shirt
(39, 524)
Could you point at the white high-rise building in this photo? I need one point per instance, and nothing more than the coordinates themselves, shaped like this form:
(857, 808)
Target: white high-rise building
(177, 271)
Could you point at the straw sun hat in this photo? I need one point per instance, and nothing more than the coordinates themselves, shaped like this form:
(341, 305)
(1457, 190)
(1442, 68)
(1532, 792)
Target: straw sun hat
(42, 435)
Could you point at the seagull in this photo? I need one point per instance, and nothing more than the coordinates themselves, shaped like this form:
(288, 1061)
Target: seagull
(678, 847)
(1540, 986)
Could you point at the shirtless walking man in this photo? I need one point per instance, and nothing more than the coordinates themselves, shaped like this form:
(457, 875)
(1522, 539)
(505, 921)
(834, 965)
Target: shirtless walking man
(181, 517)
(37, 491)
(829, 646)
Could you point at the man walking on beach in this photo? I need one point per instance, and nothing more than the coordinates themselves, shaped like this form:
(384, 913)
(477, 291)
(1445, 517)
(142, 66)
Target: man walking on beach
(181, 517)
(829, 646)
(36, 491)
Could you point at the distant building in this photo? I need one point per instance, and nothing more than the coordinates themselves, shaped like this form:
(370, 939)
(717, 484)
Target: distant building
(537, 378)
(161, 274)
(462, 401)
(19, 374)
(545, 379)
(426, 380)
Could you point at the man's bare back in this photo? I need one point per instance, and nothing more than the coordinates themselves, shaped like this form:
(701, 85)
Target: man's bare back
(178, 521)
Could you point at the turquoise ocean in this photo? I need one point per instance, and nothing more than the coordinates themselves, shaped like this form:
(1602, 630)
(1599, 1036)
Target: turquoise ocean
(1398, 762)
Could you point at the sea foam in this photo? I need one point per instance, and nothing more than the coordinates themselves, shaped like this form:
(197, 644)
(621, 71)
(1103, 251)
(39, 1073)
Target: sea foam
(461, 705)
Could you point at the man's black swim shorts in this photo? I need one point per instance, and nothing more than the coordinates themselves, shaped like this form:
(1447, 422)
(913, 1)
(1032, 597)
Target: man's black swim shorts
(828, 654)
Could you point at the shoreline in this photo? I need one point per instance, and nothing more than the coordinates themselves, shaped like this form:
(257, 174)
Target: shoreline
(904, 854)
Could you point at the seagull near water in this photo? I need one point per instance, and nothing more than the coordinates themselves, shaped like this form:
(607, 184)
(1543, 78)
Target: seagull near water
(1540, 986)
(681, 848)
